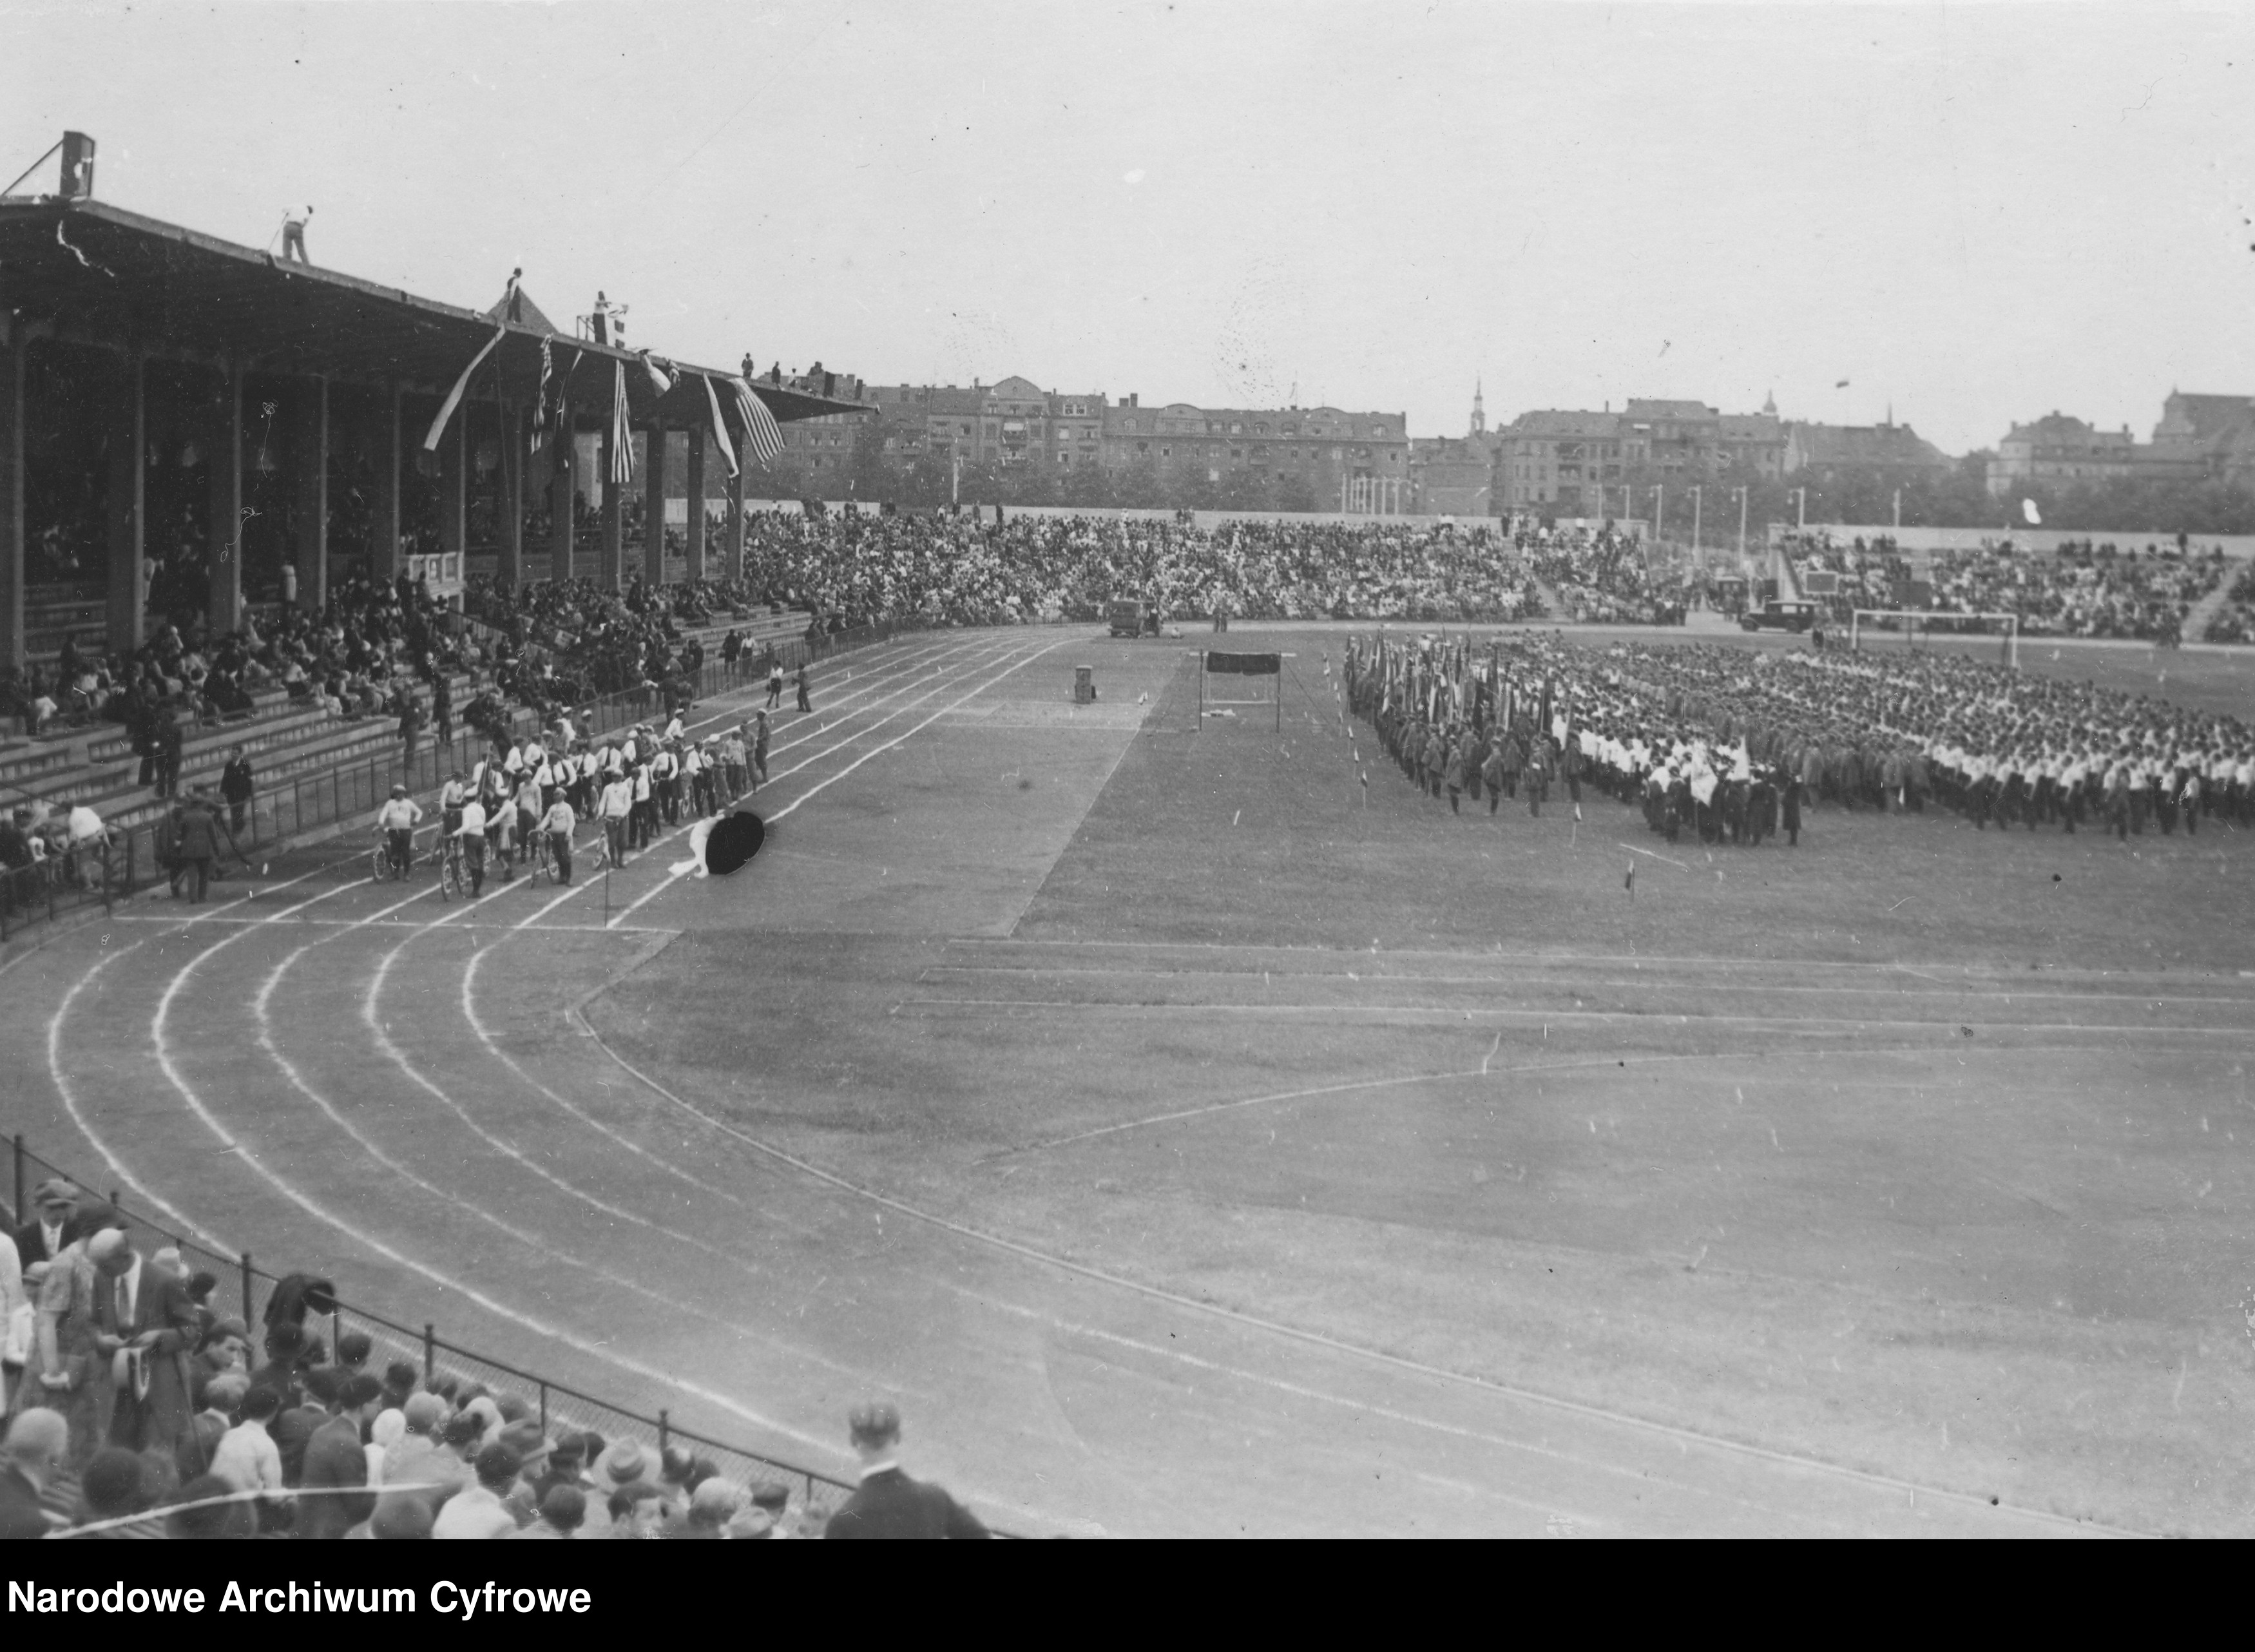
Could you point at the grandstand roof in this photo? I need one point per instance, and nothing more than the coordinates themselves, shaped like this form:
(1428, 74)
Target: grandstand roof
(100, 275)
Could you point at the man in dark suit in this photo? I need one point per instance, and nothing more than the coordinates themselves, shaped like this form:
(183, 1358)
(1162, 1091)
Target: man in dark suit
(237, 786)
(42, 1238)
(143, 1328)
(887, 1503)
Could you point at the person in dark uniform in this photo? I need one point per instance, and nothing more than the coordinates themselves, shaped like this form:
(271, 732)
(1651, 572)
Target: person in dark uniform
(1788, 797)
(236, 785)
(805, 702)
(887, 1503)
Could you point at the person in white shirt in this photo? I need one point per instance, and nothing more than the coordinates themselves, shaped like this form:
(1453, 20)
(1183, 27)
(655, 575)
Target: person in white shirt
(476, 1511)
(396, 821)
(246, 1457)
(470, 834)
(559, 823)
(642, 823)
(451, 799)
(618, 808)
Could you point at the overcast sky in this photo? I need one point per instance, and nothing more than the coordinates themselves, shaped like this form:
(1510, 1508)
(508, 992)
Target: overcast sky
(1977, 213)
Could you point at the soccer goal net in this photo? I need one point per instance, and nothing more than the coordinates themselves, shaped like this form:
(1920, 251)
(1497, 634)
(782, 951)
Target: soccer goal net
(1871, 628)
(1240, 686)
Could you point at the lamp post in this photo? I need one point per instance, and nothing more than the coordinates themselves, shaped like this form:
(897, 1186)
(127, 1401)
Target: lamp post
(1897, 510)
(1659, 511)
(1742, 526)
(1698, 500)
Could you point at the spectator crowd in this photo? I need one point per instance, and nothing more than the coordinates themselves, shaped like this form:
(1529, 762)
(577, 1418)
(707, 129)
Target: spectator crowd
(137, 1406)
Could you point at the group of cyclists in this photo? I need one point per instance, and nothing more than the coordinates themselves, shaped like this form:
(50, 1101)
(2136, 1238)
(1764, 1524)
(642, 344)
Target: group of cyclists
(523, 803)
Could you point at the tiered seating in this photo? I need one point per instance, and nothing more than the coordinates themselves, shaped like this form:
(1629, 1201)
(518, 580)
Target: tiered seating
(98, 767)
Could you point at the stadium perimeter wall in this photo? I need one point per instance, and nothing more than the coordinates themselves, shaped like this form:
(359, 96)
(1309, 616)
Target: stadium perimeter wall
(1202, 518)
(2235, 546)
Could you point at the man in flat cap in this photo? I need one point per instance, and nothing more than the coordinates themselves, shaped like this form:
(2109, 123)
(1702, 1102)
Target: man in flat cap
(42, 1238)
(887, 1503)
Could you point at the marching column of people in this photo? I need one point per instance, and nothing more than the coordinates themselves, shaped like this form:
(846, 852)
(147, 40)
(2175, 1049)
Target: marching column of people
(1734, 746)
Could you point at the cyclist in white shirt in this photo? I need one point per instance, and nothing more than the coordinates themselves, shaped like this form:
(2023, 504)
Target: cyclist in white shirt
(618, 807)
(396, 820)
(471, 835)
(452, 796)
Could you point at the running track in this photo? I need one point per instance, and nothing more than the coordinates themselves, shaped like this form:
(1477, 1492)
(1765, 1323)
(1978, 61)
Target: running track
(361, 1077)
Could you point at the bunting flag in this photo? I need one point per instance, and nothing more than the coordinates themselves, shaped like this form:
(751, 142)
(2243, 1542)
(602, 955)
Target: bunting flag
(454, 395)
(759, 424)
(538, 432)
(719, 426)
(660, 379)
(621, 429)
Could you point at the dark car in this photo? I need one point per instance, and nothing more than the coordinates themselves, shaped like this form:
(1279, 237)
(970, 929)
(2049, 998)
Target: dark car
(1778, 616)
(1129, 618)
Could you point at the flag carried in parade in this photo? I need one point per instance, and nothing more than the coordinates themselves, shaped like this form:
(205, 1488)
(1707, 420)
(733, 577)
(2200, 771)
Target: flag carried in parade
(621, 429)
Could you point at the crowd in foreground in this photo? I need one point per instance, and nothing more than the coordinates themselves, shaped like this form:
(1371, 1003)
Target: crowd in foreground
(137, 1409)
(1733, 746)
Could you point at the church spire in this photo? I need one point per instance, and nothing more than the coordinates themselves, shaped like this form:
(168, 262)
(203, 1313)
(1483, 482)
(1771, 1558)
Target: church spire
(1479, 414)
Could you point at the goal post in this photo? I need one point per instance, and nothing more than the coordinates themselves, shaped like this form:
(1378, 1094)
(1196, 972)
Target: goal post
(1243, 675)
(1914, 624)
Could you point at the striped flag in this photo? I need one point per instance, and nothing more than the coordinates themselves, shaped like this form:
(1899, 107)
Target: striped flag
(538, 433)
(621, 429)
(759, 424)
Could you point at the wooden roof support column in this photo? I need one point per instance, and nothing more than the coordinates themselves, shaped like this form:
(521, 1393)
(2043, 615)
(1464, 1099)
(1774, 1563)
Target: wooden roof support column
(309, 504)
(509, 505)
(563, 456)
(653, 532)
(453, 469)
(610, 572)
(126, 496)
(733, 556)
(695, 534)
(224, 611)
(13, 548)
(384, 524)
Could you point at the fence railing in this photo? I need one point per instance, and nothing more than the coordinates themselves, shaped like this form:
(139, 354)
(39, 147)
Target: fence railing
(436, 1358)
(288, 806)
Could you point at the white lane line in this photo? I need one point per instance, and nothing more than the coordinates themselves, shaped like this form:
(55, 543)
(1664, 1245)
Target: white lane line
(371, 1015)
(1656, 1019)
(289, 1190)
(1316, 1338)
(1017, 665)
(655, 1161)
(58, 1077)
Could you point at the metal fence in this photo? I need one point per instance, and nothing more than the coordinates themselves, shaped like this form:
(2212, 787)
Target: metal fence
(239, 1281)
(289, 806)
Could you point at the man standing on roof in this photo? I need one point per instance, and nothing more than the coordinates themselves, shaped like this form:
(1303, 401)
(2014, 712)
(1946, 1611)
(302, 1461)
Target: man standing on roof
(293, 237)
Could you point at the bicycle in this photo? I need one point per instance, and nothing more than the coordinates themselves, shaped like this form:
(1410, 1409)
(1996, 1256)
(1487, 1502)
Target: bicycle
(540, 859)
(452, 880)
(381, 868)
